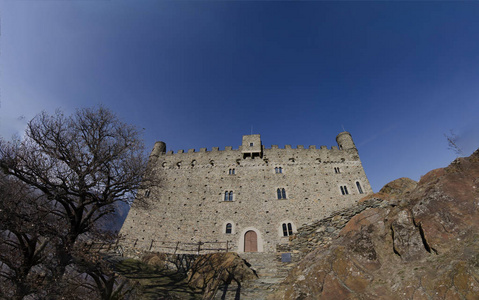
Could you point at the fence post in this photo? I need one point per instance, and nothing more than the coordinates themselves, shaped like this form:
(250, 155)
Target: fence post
(151, 245)
(177, 245)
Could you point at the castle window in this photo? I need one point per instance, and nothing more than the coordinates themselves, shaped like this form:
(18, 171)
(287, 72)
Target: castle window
(344, 190)
(287, 229)
(228, 196)
(229, 228)
(251, 144)
(281, 193)
(231, 171)
(337, 171)
(358, 185)
(278, 170)
(193, 163)
(147, 193)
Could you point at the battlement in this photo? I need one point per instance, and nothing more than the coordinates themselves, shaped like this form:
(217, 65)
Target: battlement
(230, 148)
(252, 144)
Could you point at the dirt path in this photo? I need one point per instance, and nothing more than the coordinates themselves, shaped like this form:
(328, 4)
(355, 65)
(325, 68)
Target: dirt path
(156, 284)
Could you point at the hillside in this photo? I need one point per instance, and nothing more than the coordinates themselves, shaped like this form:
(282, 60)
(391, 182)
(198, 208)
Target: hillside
(421, 242)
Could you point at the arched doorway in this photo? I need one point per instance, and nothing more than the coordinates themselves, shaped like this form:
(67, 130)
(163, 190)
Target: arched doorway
(250, 241)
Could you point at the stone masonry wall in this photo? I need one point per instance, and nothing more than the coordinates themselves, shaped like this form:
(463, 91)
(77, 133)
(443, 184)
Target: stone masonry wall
(321, 233)
(190, 205)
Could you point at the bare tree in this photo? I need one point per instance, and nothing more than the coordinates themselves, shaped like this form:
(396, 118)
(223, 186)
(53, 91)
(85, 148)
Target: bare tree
(82, 164)
(452, 143)
(21, 242)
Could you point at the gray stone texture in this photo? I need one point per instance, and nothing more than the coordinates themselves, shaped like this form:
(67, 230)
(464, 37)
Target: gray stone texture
(189, 206)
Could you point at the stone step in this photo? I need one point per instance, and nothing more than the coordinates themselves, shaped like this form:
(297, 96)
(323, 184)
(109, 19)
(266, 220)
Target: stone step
(270, 270)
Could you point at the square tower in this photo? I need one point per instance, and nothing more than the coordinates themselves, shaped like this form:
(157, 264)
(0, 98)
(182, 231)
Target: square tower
(251, 146)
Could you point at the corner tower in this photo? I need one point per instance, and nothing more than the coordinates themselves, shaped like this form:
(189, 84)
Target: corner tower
(158, 148)
(345, 141)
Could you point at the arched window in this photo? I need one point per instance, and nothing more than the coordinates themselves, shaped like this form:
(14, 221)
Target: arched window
(279, 193)
(283, 193)
(336, 170)
(193, 163)
(276, 170)
(360, 190)
(226, 196)
(231, 171)
(287, 229)
(230, 196)
(229, 228)
(344, 190)
(147, 193)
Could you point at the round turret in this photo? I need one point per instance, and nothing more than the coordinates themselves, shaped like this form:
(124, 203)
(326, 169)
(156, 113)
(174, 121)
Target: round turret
(345, 141)
(159, 148)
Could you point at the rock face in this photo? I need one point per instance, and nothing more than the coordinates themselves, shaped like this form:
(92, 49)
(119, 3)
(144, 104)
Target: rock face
(422, 243)
(212, 270)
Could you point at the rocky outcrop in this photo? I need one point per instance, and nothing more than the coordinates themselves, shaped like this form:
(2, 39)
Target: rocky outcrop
(210, 271)
(422, 243)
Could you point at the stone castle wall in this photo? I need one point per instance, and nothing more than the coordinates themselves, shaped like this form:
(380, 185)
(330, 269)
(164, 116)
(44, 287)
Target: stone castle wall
(190, 205)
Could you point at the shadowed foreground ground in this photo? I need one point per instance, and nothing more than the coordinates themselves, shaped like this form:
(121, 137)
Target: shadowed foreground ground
(156, 283)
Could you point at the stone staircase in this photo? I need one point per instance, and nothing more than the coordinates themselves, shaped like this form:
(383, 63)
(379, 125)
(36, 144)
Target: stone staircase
(270, 270)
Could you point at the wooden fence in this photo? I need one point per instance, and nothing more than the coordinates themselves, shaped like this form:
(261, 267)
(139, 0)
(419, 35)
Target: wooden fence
(160, 246)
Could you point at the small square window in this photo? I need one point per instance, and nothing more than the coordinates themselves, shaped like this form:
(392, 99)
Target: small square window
(251, 144)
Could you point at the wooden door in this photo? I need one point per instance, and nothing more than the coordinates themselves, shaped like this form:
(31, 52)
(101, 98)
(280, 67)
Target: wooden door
(250, 241)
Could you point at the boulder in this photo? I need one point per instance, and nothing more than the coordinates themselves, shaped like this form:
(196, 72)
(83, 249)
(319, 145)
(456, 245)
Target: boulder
(210, 271)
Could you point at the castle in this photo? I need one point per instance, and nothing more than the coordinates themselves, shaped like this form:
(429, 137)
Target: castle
(253, 197)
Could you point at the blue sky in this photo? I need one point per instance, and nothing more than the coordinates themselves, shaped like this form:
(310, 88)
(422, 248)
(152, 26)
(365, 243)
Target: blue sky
(397, 75)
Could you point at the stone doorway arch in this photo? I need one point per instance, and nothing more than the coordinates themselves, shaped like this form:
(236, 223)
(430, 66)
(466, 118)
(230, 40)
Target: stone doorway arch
(250, 241)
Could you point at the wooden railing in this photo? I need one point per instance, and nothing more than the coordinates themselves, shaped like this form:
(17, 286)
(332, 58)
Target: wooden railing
(177, 247)
(159, 246)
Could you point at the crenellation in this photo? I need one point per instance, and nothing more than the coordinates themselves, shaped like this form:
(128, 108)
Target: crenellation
(190, 204)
